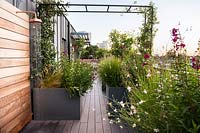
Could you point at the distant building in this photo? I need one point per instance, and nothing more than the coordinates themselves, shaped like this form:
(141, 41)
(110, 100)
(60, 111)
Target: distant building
(104, 45)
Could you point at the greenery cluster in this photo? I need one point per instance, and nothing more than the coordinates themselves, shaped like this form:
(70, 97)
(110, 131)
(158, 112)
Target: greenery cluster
(76, 77)
(121, 43)
(110, 71)
(147, 31)
(48, 53)
(92, 52)
(78, 47)
(161, 99)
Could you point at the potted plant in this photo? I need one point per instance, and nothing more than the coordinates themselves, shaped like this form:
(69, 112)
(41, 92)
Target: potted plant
(110, 71)
(59, 98)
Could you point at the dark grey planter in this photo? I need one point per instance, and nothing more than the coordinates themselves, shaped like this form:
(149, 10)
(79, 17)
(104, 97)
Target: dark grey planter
(55, 104)
(103, 85)
(115, 94)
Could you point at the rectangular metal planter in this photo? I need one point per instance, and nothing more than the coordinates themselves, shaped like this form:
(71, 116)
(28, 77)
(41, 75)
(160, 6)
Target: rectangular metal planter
(116, 94)
(55, 104)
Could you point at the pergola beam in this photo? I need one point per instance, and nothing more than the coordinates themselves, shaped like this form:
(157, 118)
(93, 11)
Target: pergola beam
(107, 10)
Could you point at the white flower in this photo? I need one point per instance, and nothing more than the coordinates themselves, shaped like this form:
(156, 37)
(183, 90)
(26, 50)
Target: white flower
(134, 125)
(148, 75)
(156, 130)
(155, 65)
(111, 122)
(158, 90)
(138, 120)
(138, 53)
(129, 89)
(145, 91)
(110, 104)
(158, 72)
(132, 107)
(121, 126)
(118, 121)
(122, 104)
(141, 102)
(104, 119)
(134, 111)
(115, 110)
(108, 113)
(131, 113)
(128, 75)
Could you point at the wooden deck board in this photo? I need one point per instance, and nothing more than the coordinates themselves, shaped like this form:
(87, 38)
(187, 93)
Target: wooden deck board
(94, 118)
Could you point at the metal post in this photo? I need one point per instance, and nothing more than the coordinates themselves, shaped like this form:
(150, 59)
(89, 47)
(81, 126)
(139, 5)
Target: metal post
(35, 58)
(68, 39)
(152, 13)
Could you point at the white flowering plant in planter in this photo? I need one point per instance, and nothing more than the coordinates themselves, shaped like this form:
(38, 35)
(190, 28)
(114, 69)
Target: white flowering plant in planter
(162, 99)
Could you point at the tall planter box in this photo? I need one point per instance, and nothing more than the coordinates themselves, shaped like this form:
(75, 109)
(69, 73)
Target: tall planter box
(116, 94)
(55, 104)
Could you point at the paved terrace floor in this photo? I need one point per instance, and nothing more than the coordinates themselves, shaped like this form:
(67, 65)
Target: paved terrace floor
(94, 118)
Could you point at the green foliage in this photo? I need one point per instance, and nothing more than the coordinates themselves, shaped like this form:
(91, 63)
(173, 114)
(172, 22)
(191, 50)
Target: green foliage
(47, 12)
(110, 71)
(148, 30)
(121, 43)
(93, 51)
(100, 53)
(78, 46)
(76, 77)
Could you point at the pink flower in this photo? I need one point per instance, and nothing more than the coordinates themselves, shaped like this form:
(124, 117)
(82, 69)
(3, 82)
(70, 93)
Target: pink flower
(175, 39)
(182, 45)
(146, 56)
(174, 32)
(195, 66)
(193, 59)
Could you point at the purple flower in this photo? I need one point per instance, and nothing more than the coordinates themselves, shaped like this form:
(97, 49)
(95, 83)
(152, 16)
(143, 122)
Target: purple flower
(146, 56)
(175, 39)
(182, 45)
(193, 59)
(174, 32)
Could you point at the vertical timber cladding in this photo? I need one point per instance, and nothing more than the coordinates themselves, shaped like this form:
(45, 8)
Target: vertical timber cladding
(15, 101)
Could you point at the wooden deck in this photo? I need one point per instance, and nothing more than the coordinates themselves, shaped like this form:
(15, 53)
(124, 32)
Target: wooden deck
(94, 118)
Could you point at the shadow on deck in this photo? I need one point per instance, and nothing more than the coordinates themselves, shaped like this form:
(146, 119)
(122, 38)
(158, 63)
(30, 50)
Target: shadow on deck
(94, 118)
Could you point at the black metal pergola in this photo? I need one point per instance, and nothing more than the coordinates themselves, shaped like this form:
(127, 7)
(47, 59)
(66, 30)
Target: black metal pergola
(105, 8)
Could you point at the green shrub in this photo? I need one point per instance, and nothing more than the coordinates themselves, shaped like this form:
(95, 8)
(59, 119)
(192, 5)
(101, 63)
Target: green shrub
(76, 77)
(110, 71)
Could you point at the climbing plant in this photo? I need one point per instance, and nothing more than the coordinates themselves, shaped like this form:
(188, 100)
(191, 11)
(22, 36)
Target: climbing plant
(47, 13)
(148, 29)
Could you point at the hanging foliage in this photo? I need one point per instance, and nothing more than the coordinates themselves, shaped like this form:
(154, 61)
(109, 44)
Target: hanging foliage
(48, 52)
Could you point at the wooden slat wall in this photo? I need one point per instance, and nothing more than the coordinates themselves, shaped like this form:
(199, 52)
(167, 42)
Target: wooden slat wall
(15, 101)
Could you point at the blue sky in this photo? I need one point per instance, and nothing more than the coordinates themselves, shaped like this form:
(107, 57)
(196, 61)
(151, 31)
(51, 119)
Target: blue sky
(169, 13)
